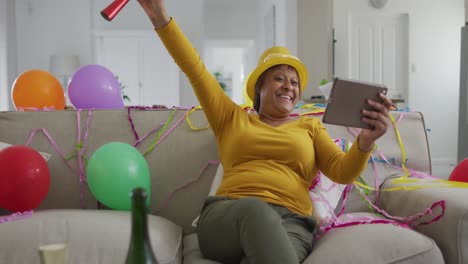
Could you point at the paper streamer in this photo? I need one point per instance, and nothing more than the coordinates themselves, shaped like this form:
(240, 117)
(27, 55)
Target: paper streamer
(15, 216)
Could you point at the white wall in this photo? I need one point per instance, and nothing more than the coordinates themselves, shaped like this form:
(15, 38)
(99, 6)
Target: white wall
(12, 60)
(434, 48)
(226, 19)
(315, 23)
(4, 96)
(189, 15)
(285, 23)
(261, 39)
(51, 27)
(8, 60)
(463, 109)
(466, 12)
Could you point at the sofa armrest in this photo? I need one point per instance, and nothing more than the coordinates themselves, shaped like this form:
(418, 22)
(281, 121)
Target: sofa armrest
(450, 232)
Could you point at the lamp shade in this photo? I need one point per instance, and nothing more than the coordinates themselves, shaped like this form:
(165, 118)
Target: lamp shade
(378, 3)
(64, 65)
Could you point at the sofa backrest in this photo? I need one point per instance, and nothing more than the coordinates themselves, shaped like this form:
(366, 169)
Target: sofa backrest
(182, 164)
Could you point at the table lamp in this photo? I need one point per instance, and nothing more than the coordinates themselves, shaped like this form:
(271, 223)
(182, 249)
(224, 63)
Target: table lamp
(63, 67)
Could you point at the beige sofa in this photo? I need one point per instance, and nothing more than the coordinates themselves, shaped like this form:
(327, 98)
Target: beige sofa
(186, 161)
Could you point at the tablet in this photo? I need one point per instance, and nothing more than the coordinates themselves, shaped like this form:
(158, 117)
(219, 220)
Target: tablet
(347, 99)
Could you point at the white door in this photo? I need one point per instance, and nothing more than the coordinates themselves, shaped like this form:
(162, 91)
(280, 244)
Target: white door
(120, 56)
(159, 74)
(142, 65)
(375, 50)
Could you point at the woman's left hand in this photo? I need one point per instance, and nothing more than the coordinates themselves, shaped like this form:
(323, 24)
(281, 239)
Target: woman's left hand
(378, 119)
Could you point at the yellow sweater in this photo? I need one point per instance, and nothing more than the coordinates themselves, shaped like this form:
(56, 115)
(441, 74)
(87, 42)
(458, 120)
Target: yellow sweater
(275, 164)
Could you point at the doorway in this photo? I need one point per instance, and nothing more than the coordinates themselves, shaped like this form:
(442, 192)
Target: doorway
(230, 61)
(375, 49)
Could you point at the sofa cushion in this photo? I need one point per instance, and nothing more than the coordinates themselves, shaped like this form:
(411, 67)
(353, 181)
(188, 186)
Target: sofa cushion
(192, 253)
(218, 178)
(92, 236)
(451, 231)
(360, 244)
(374, 243)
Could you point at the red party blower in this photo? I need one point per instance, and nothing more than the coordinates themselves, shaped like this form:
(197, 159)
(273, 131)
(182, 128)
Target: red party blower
(113, 9)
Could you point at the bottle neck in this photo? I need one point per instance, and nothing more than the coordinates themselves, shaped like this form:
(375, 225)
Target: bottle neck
(140, 250)
(139, 221)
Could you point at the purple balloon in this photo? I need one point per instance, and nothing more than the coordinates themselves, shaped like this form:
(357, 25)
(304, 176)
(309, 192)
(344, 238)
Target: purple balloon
(95, 87)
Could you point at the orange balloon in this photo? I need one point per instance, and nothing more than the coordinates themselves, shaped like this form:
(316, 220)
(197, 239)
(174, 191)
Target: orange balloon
(37, 89)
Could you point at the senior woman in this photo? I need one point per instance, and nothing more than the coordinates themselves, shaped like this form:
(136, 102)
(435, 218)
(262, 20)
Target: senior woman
(262, 212)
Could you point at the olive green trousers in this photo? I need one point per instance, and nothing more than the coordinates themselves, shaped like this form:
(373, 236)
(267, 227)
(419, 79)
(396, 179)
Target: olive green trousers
(251, 231)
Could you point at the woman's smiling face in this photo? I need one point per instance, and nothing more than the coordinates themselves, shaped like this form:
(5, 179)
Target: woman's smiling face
(279, 91)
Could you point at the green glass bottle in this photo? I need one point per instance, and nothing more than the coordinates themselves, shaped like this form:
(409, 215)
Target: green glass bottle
(140, 250)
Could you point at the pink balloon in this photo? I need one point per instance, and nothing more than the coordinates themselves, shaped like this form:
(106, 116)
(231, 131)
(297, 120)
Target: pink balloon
(95, 87)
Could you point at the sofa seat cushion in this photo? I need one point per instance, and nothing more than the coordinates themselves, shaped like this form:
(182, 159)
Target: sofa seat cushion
(374, 243)
(360, 244)
(92, 236)
(192, 253)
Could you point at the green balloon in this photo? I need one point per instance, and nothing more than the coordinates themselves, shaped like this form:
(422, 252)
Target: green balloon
(113, 171)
